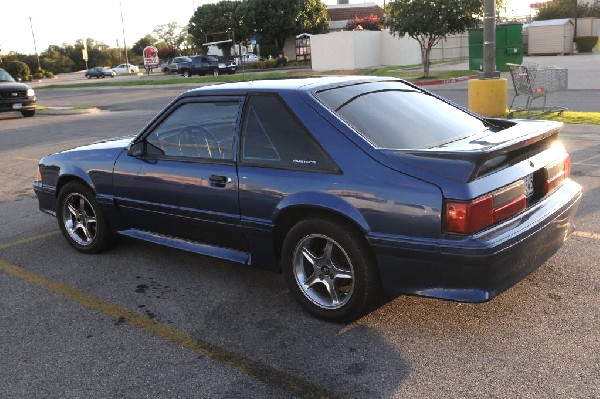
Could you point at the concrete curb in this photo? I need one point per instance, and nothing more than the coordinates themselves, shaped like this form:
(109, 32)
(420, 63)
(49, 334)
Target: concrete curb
(66, 111)
(582, 129)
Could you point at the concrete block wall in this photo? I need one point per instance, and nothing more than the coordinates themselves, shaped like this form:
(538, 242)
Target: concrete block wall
(349, 50)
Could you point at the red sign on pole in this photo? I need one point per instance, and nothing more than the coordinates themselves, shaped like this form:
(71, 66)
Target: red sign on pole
(150, 57)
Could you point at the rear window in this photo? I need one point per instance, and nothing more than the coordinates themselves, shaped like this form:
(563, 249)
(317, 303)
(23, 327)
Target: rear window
(393, 115)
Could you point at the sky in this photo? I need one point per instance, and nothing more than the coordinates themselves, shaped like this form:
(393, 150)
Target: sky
(59, 22)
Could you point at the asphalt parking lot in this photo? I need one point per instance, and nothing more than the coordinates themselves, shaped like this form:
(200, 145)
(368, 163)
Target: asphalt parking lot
(142, 321)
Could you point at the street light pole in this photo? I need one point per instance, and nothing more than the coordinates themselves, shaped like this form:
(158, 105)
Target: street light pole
(34, 45)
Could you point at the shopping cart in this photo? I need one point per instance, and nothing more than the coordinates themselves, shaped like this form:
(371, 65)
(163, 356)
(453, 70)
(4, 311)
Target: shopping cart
(537, 82)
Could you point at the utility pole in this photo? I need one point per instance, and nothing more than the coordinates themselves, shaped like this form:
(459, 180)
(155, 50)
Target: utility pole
(119, 47)
(123, 26)
(489, 41)
(488, 95)
(34, 45)
(575, 16)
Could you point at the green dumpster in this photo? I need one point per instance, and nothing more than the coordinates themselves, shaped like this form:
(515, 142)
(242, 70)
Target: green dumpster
(509, 47)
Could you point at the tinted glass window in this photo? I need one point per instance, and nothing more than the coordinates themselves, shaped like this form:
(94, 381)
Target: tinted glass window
(197, 130)
(396, 116)
(273, 136)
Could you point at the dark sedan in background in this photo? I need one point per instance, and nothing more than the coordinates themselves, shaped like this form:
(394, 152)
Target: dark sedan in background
(100, 72)
(349, 186)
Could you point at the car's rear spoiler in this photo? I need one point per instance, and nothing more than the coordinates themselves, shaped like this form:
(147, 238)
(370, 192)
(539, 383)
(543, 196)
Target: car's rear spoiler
(470, 158)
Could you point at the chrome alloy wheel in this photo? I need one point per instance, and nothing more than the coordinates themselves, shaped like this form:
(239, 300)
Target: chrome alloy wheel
(79, 219)
(323, 271)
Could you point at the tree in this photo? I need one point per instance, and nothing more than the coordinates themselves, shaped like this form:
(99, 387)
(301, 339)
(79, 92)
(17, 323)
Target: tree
(312, 18)
(54, 61)
(224, 16)
(559, 9)
(172, 34)
(275, 20)
(429, 21)
(141, 44)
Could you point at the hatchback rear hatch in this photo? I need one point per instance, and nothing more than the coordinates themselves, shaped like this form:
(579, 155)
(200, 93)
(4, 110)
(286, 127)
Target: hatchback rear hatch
(487, 169)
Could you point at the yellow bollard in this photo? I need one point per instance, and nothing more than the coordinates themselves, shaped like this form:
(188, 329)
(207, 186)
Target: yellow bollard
(488, 97)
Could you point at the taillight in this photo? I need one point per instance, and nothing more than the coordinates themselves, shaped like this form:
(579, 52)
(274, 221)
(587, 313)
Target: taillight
(467, 217)
(555, 174)
(38, 174)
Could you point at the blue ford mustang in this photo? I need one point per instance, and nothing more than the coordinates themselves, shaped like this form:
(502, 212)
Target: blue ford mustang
(350, 186)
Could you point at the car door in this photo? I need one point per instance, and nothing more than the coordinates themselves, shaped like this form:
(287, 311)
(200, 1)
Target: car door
(278, 158)
(184, 183)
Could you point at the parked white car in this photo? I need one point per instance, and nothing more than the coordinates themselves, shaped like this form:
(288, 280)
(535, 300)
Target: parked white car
(248, 59)
(126, 68)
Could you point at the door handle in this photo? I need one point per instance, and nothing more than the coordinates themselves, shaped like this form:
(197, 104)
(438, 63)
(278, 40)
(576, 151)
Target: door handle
(219, 181)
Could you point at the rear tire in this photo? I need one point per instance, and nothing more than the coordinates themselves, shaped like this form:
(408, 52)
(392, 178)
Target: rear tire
(186, 74)
(330, 270)
(81, 220)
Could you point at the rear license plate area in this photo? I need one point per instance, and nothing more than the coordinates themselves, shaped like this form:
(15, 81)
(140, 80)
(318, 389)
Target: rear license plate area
(529, 186)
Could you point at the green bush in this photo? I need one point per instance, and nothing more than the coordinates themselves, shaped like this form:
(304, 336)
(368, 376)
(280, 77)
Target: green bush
(48, 74)
(260, 65)
(266, 64)
(19, 70)
(585, 44)
(39, 74)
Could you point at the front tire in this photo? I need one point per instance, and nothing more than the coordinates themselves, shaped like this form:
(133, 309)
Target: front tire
(81, 220)
(186, 74)
(330, 270)
(215, 72)
(29, 113)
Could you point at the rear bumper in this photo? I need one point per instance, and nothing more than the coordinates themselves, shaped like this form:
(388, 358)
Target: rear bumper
(477, 268)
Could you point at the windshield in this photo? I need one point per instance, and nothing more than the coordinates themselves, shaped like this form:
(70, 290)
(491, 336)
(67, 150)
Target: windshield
(393, 115)
(5, 76)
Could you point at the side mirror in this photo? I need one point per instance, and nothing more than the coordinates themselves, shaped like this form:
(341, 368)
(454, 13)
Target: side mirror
(136, 149)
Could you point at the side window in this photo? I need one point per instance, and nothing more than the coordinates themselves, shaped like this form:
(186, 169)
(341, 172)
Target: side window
(272, 136)
(197, 130)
